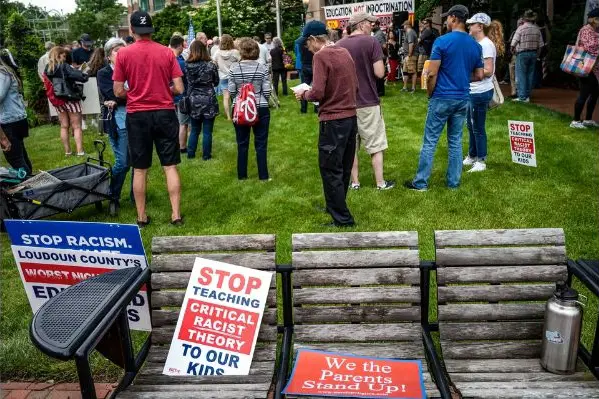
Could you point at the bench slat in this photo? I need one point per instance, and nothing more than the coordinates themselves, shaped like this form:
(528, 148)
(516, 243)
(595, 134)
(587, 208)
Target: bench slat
(184, 262)
(502, 274)
(190, 386)
(341, 277)
(264, 352)
(169, 317)
(497, 330)
(258, 368)
(161, 379)
(249, 242)
(358, 295)
(175, 298)
(500, 256)
(354, 314)
(174, 280)
(358, 332)
(355, 240)
(499, 366)
(164, 335)
(405, 350)
(508, 385)
(537, 393)
(236, 394)
(355, 259)
(500, 311)
(495, 293)
(491, 350)
(448, 238)
(509, 377)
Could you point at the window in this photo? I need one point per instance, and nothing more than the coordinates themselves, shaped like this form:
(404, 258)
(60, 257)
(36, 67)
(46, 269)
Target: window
(184, 3)
(143, 5)
(158, 5)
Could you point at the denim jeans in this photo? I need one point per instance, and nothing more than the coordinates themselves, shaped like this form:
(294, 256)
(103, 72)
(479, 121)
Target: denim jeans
(526, 62)
(477, 117)
(441, 111)
(242, 134)
(119, 145)
(192, 142)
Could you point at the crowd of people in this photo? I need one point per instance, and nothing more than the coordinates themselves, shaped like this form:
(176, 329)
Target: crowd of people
(165, 98)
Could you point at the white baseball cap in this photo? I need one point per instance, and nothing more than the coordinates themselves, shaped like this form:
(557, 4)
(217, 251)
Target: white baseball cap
(480, 18)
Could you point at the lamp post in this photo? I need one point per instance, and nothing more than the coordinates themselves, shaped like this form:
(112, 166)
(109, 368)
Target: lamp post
(278, 18)
(306, 6)
(220, 25)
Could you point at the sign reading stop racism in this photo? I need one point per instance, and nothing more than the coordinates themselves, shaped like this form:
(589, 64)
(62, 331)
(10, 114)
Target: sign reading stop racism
(522, 143)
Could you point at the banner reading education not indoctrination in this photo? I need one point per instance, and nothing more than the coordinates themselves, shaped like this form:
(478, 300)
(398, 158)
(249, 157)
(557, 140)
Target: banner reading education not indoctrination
(338, 16)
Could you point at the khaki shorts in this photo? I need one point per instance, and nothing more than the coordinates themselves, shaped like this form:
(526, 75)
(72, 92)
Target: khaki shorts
(410, 65)
(371, 129)
(421, 60)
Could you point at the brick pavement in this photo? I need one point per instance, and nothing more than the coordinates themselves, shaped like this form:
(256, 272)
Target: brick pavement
(37, 390)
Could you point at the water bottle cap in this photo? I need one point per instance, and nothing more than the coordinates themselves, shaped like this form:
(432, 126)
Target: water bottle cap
(565, 293)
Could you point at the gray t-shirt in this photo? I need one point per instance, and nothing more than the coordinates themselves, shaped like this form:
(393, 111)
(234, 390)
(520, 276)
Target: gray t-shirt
(410, 37)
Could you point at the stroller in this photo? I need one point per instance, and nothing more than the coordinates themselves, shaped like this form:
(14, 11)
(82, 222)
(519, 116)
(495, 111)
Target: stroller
(59, 190)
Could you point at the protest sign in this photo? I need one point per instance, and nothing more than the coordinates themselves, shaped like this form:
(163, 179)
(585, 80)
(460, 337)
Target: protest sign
(337, 17)
(53, 255)
(219, 320)
(91, 104)
(522, 143)
(320, 373)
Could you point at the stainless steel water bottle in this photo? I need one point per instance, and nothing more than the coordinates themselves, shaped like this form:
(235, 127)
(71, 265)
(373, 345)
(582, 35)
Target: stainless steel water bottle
(561, 333)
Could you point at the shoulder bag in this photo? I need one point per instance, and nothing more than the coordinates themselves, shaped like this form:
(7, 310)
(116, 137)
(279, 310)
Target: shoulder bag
(577, 61)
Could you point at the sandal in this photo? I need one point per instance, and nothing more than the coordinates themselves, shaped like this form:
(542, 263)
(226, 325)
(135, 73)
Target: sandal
(177, 222)
(143, 224)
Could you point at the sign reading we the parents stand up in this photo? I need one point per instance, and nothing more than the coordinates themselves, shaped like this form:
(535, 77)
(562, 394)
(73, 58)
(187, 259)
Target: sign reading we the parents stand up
(318, 373)
(219, 320)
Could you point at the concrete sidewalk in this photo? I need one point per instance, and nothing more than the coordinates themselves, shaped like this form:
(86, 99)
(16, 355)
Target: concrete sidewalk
(37, 390)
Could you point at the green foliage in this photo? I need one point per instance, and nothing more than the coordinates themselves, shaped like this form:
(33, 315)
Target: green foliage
(97, 18)
(289, 37)
(26, 49)
(424, 8)
(171, 19)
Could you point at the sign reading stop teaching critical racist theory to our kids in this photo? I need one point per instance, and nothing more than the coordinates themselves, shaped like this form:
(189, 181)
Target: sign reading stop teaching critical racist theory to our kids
(53, 255)
(318, 373)
(219, 320)
(522, 142)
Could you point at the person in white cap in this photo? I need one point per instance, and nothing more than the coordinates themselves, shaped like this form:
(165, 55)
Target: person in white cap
(489, 34)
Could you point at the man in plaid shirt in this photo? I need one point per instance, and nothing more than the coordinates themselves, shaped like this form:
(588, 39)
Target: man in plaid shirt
(526, 44)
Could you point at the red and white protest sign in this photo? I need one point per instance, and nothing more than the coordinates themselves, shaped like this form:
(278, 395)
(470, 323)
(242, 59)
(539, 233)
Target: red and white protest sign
(219, 320)
(522, 143)
(318, 373)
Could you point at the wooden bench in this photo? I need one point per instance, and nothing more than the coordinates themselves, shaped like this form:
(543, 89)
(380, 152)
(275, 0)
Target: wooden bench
(359, 293)
(172, 261)
(492, 290)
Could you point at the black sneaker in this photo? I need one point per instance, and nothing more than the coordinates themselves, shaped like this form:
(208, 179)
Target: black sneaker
(143, 224)
(389, 184)
(410, 186)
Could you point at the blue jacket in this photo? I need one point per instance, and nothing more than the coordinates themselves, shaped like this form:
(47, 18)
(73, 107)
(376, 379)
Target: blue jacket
(105, 87)
(298, 52)
(12, 106)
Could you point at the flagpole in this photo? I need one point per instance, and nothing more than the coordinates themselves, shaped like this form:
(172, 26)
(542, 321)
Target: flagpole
(278, 18)
(220, 25)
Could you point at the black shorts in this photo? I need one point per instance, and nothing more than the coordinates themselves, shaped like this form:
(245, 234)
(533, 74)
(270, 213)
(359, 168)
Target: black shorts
(160, 127)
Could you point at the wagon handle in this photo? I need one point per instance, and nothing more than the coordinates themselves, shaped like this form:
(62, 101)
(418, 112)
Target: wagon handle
(100, 146)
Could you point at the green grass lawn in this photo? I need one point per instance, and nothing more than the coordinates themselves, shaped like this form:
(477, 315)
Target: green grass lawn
(560, 192)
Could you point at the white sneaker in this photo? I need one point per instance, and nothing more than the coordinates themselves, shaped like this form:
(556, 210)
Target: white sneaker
(577, 125)
(478, 166)
(590, 123)
(526, 100)
(468, 161)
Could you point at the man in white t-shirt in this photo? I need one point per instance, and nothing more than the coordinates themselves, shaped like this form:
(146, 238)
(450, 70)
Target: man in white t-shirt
(481, 93)
(264, 57)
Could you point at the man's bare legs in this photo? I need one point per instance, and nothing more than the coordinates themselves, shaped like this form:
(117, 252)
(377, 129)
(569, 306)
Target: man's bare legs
(377, 167)
(414, 78)
(173, 184)
(183, 137)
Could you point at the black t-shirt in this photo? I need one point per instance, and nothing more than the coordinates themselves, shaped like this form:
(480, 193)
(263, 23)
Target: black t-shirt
(81, 55)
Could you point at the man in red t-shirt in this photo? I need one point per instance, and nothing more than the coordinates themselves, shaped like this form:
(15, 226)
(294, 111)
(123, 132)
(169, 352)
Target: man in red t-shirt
(147, 69)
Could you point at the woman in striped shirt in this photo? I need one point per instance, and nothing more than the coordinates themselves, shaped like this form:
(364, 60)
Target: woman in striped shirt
(249, 70)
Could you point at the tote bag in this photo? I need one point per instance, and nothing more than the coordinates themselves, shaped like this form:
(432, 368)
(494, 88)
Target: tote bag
(577, 61)
(497, 99)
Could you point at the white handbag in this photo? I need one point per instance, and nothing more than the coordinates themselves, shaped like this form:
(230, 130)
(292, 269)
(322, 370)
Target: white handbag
(497, 99)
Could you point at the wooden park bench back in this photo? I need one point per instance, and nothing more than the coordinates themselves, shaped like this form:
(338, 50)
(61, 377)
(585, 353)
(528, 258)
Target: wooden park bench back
(172, 262)
(492, 290)
(358, 293)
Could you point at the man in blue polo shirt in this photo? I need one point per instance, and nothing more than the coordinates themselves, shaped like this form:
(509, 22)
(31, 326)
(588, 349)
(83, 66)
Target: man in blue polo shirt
(456, 60)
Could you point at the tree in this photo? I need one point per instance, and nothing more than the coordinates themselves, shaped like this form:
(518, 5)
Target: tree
(97, 18)
(26, 49)
(171, 19)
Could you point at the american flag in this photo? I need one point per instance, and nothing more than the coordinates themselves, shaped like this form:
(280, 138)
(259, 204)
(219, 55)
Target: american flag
(190, 33)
